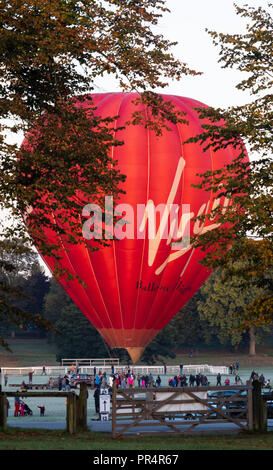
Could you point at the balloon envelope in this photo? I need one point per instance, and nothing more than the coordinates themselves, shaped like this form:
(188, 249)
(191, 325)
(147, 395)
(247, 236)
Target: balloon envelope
(133, 287)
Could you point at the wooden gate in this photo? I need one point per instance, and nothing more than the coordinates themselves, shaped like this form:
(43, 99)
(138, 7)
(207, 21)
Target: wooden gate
(181, 410)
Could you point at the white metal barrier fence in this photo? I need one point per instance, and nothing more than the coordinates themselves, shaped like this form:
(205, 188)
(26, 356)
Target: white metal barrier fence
(170, 370)
(109, 361)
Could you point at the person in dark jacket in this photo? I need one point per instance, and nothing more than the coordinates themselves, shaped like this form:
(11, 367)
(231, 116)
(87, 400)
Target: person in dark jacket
(97, 399)
(219, 378)
(158, 381)
(30, 376)
(60, 383)
(8, 406)
(183, 380)
(42, 409)
(262, 380)
(191, 380)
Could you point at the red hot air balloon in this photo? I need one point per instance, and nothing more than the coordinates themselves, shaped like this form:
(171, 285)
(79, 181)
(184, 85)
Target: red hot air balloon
(133, 287)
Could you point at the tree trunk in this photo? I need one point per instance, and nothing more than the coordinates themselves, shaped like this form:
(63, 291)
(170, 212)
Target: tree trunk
(252, 344)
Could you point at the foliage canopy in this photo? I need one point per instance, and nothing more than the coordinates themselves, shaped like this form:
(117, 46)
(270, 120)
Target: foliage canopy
(247, 223)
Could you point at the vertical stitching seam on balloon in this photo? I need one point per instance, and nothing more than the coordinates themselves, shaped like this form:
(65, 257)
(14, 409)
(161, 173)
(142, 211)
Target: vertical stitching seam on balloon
(174, 291)
(189, 110)
(99, 289)
(193, 115)
(71, 265)
(208, 205)
(113, 241)
(103, 98)
(171, 97)
(147, 198)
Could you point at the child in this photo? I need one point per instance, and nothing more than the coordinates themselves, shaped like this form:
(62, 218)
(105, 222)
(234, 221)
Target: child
(17, 406)
(42, 410)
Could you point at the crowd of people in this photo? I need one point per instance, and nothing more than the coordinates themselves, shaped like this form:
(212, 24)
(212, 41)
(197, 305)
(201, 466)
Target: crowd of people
(233, 367)
(193, 380)
(237, 380)
(129, 380)
(126, 380)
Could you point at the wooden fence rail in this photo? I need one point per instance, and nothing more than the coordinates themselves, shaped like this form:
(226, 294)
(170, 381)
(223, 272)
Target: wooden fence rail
(76, 406)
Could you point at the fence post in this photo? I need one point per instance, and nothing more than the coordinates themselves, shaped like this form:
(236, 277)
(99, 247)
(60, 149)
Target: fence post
(259, 408)
(114, 410)
(149, 404)
(263, 413)
(82, 407)
(71, 413)
(3, 411)
(249, 407)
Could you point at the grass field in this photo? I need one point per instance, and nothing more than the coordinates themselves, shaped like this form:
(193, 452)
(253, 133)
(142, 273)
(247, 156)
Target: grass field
(37, 352)
(25, 353)
(17, 439)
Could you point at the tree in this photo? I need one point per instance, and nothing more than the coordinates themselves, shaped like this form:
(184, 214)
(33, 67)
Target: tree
(74, 335)
(78, 337)
(35, 288)
(50, 53)
(186, 328)
(246, 225)
(22, 289)
(160, 348)
(55, 301)
(222, 305)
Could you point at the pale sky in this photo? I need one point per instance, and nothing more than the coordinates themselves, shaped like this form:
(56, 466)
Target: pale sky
(186, 24)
